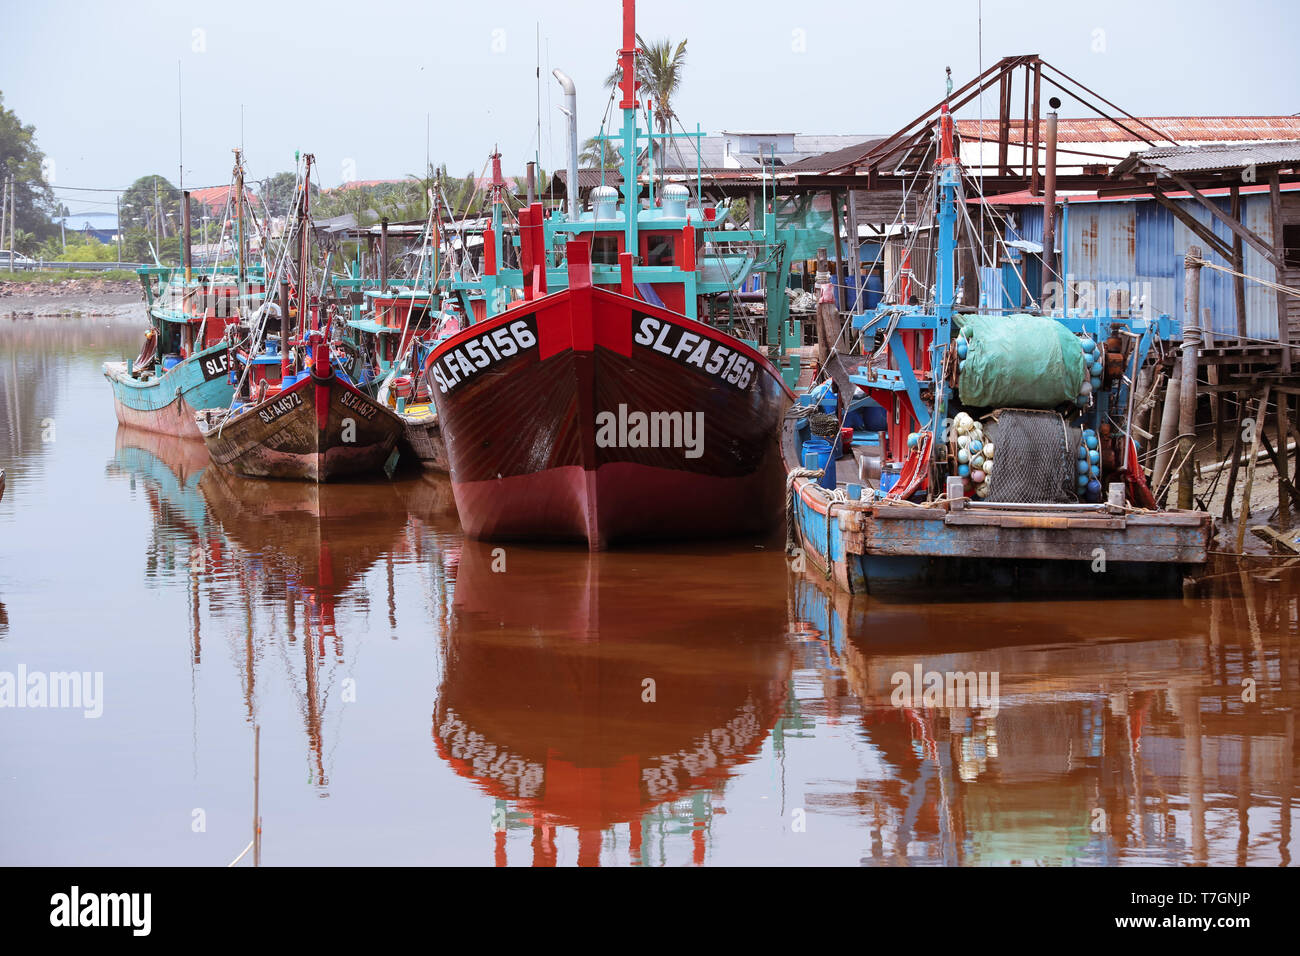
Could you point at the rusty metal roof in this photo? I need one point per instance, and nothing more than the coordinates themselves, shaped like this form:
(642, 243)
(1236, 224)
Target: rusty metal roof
(1179, 129)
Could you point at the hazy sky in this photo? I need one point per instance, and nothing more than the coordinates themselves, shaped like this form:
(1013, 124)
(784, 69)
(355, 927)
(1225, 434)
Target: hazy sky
(353, 81)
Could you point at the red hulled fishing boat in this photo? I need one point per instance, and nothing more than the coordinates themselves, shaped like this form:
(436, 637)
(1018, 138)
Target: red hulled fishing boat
(592, 414)
(605, 410)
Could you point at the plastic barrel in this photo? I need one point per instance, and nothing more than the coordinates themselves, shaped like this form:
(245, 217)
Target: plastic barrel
(875, 291)
(822, 449)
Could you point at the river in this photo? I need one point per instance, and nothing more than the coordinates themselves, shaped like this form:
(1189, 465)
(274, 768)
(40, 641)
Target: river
(423, 699)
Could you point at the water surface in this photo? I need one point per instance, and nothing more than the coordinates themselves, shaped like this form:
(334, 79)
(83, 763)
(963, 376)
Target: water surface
(424, 699)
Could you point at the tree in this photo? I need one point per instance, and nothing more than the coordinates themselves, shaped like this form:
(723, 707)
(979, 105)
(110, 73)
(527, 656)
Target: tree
(593, 156)
(659, 69)
(279, 193)
(152, 204)
(20, 157)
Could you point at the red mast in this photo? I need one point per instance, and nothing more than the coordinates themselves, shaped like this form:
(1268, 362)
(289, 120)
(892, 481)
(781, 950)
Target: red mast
(627, 56)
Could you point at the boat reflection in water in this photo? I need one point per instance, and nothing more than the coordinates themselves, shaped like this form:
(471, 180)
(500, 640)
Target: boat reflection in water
(277, 559)
(311, 544)
(1118, 732)
(606, 691)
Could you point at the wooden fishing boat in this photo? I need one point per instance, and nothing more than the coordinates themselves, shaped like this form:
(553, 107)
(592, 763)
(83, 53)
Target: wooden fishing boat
(313, 426)
(641, 423)
(296, 413)
(422, 436)
(182, 366)
(183, 363)
(1051, 393)
(603, 400)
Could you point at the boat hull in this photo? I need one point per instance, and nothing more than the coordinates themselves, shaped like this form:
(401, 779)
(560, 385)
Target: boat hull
(166, 404)
(422, 438)
(582, 424)
(887, 548)
(316, 430)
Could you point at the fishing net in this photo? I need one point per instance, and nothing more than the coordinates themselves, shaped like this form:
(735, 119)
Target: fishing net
(1027, 361)
(1034, 461)
(824, 425)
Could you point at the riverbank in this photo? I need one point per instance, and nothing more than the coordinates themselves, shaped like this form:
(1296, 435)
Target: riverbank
(73, 297)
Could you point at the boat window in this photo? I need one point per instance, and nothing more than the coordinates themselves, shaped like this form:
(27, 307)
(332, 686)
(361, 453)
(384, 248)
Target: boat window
(604, 250)
(658, 249)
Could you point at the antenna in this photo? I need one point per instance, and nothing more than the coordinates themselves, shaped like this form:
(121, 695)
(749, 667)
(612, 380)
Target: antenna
(180, 129)
(537, 154)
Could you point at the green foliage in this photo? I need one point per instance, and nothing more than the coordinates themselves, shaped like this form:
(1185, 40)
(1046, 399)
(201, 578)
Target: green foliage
(279, 194)
(593, 156)
(154, 210)
(20, 157)
(82, 248)
(659, 70)
(738, 213)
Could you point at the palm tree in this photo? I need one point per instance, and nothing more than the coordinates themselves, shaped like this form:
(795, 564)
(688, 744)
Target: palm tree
(594, 157)
(659, 69)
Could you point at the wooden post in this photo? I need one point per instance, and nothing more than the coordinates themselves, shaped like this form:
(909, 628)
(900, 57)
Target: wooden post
(855, 264)
(1250, 469)
(1168, 428)
(1283, 479)
(839, 247)
(1238, 265)
(1236, 461)
(1187, 391)
(1279, 253)
(1209, 339)
(257, 793)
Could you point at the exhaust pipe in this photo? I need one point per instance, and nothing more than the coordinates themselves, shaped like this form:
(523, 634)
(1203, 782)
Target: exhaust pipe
(570, 110)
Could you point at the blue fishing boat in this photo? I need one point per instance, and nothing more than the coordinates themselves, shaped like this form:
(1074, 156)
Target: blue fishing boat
(1000, 446)
(183, 365)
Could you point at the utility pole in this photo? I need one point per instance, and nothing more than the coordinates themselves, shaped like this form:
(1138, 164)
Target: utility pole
(13, 205)
(4, 208)
(119, 229)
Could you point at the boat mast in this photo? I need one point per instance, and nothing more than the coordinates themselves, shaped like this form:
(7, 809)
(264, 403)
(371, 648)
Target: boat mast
(948, 170)
(239, 215)
(304, 241)
(627, 82)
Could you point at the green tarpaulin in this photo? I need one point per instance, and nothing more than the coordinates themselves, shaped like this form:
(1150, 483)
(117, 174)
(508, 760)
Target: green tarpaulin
(1020, 361)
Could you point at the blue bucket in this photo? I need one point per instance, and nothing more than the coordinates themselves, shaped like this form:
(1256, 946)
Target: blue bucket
(170, 361)
(887, 481)
(821, 449)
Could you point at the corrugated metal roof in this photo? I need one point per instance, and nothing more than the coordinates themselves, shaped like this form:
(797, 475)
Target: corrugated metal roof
(1214, 157)
(1139, 247)
(1180, 129)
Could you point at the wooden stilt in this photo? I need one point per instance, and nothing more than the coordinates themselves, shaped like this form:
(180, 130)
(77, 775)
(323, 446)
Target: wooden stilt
(1258, 430)
(1236, 463)
(1283, 479)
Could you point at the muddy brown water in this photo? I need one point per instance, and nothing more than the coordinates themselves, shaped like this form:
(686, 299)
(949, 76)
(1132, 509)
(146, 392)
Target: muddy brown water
(425, 699)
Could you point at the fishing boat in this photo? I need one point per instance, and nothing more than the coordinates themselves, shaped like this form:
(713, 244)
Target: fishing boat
(395, 337)
(183, 364)
(994, 436)
(295, 412)
(595, 397)
(391, 331)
